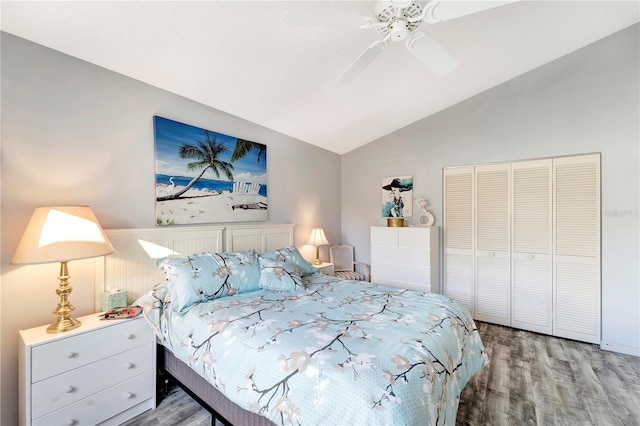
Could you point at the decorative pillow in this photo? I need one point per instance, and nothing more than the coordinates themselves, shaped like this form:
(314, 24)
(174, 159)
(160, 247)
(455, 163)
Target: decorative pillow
(153, 304)
(292, 256)
(160, 292)
(205, 276)
(277, 275)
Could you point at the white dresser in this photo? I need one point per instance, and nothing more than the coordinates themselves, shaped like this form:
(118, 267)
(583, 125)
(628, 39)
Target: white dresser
(100, 373)
(406, 257)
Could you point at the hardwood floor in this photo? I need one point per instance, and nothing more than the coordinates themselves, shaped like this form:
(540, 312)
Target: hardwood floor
(533, 379)
(176, 409)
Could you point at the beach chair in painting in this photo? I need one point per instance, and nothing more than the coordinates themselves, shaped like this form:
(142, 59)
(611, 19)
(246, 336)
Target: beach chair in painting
(244, 196)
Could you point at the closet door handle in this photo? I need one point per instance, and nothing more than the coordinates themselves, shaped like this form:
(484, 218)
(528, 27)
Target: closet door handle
(530, 257)
(491, 253)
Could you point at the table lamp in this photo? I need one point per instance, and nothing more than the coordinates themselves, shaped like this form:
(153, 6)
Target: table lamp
(61, 234)
(317, 239)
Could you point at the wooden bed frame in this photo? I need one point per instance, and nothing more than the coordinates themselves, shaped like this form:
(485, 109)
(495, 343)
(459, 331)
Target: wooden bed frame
(131, 269)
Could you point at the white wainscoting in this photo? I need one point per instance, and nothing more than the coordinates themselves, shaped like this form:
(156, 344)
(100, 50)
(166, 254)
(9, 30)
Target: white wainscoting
(131, 269)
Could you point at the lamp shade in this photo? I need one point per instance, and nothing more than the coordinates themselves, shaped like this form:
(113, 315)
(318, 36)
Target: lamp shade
(318, 238)
(60, 234)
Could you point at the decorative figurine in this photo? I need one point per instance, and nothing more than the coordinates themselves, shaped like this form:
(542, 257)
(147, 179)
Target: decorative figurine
(425, 218)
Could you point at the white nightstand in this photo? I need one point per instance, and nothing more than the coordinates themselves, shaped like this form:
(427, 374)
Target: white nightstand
(103, 371)
(326, 268)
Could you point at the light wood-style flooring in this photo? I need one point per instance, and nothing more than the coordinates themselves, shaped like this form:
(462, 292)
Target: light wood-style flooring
(533, 379)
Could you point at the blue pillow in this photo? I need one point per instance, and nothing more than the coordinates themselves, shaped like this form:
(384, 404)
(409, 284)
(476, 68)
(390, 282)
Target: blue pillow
(205, 276)
(277, 275)
(292, 256)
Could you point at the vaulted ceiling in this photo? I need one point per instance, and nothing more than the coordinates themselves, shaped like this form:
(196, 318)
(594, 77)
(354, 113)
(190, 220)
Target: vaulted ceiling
(241, 57)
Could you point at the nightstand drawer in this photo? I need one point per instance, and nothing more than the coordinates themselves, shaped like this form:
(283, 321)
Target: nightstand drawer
(326, 268)
(64, 389)
(103, 405)
(78, 350)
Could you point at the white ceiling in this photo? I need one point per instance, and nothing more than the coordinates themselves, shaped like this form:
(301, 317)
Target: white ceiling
(241, 58)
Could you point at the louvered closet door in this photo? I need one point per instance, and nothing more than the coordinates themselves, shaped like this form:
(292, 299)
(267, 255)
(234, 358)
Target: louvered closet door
(576, 280)
(492, 248)
(531, 256)
(458, 281)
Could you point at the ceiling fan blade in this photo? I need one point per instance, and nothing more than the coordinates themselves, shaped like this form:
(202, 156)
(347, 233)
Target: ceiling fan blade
(295, 19)
(363, 61)
(431, 54)
(440, 11)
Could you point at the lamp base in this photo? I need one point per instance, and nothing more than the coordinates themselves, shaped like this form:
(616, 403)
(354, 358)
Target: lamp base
(63, 324)
(64, 308)
(317, 261)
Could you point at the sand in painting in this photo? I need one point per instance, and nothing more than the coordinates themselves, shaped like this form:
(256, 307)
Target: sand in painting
(205, 206)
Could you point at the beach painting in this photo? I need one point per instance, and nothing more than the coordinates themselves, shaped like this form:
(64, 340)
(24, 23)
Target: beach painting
(207, 177)
(397, 196)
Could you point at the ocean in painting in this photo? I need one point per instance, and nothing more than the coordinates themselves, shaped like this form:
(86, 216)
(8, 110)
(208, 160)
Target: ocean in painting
(202, 183)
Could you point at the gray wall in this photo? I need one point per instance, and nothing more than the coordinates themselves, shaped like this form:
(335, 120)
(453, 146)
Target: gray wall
(74, 133)
(584, 102)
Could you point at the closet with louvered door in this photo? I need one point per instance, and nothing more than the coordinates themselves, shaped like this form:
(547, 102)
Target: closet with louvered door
(531, 246)
(576, 246)
(458, 219)
(492, 245)
(522, 244)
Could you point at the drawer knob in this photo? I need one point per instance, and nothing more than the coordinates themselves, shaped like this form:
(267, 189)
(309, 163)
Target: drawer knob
(491, 253)
(129, 395)
(130, 365)
(70, 389)
(131, 336)
(71, 354)
(71, 422)
(531, 256)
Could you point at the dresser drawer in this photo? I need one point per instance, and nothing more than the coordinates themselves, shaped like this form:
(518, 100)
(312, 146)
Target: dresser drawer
(401, 255)
(384, 236)
(81, 349)
(405, 237)
(414, 237)
(401, 273)
(64, 389)
(103, 405)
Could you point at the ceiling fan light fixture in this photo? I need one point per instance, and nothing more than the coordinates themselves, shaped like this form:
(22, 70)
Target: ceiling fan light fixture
(398, 30)
(395, 20)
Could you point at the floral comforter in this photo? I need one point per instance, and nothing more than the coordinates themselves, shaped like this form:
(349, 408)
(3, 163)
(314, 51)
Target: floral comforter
(338, 352)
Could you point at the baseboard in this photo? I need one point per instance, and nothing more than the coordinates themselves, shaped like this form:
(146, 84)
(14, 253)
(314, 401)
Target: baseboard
(629, 350)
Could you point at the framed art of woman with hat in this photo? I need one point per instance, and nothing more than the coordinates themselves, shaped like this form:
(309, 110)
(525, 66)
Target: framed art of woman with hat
(397, 196)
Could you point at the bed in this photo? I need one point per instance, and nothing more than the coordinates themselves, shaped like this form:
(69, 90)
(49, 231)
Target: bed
(263, 338)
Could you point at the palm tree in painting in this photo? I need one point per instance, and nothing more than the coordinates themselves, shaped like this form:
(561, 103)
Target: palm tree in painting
(206, 155)
(244, 147)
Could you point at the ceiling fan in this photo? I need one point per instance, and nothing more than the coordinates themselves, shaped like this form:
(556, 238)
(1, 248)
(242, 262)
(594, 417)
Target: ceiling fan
(396, 21)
